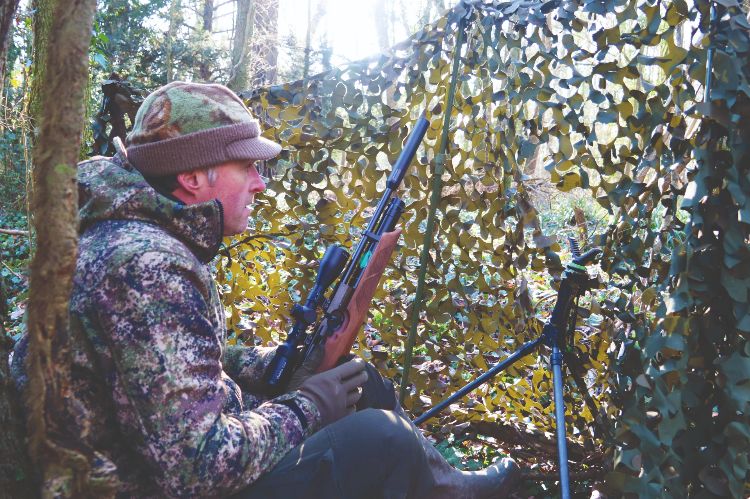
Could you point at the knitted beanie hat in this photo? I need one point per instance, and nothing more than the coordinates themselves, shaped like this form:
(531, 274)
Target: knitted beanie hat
(183, 126)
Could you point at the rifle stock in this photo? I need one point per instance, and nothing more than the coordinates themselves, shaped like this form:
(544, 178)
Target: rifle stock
(340, 342)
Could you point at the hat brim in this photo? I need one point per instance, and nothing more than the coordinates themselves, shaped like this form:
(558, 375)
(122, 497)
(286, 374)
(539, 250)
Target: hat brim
(241, 142)
(253, 148)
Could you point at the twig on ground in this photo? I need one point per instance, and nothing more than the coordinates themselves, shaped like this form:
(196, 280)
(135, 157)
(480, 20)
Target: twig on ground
(14, 232)
(534, 443)
(12, 271)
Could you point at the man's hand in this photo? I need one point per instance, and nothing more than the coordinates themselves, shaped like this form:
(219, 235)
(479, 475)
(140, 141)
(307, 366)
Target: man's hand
(335, 392)
(378, 392)
(307, 369)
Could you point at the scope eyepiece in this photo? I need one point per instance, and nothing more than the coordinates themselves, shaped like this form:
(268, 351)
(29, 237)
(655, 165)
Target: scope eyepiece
(331, 266)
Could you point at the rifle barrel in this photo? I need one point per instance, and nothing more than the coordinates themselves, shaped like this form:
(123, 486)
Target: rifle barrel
(404, 159)
(397, 175)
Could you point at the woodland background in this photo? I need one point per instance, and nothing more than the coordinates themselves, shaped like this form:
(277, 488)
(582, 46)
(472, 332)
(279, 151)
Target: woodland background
(582, 119)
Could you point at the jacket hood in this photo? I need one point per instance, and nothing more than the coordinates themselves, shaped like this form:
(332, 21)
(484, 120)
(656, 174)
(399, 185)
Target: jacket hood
(111, 189)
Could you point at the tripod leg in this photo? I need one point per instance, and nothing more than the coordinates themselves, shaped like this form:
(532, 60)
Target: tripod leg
(562, 448)
(525, 349)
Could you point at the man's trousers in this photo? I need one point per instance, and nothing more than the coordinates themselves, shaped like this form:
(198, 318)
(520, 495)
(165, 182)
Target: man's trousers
(374, 453)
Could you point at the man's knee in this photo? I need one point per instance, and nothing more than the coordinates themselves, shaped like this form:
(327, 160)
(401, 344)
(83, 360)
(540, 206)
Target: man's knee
(391, 451)
(391, 430)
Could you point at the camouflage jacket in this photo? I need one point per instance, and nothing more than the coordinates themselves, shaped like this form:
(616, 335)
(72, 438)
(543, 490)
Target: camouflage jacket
(156, 391)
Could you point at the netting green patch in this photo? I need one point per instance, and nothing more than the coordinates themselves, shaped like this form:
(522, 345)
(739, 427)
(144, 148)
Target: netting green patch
(611, 96)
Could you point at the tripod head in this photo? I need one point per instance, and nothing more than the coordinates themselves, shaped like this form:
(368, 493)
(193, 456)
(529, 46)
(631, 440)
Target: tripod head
(575, 282)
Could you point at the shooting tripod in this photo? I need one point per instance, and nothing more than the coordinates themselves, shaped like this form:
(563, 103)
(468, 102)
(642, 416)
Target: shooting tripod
(555, 334)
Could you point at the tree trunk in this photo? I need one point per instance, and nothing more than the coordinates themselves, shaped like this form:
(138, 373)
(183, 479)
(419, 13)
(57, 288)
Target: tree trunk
(384, 28)
(243, 32)
(64, 470)
(174, 10)
(308, 39)
(265, 46)
(208, 16)
(120, 31)
(426, 13)
(204, 67)
(7, 11)
(382, 24)
(438, 5)
(41, 25)
(272, 56)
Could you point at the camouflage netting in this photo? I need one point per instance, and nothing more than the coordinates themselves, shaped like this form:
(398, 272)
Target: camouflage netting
(612, 91)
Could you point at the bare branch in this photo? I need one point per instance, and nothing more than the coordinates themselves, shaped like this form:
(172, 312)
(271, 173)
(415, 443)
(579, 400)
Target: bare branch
(14, 232)
(222, 4)
(12, 271)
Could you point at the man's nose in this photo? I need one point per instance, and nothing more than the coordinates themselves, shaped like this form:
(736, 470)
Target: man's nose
(256, 182)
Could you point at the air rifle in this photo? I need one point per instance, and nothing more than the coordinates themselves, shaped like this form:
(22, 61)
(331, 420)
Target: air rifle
(359, 276)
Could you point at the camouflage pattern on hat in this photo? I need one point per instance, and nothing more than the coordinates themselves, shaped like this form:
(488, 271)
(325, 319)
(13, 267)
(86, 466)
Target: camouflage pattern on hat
(185, 126)
(180, 108)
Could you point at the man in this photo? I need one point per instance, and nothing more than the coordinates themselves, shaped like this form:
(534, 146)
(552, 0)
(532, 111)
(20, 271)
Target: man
(160, 400)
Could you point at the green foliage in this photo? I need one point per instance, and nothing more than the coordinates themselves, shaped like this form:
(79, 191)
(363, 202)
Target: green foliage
(15, 137)
(468, 454)
(557, 215)
(613, 90)
(15, 254)
(13, 185)
(125, 40)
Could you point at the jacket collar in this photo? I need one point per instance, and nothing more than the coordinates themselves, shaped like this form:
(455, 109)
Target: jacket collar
(112, 189)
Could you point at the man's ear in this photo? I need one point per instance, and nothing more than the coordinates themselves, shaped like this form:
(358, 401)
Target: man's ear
(189, 180)
(191, 186)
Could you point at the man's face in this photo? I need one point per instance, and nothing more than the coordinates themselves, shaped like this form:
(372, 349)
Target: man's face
(235, 186)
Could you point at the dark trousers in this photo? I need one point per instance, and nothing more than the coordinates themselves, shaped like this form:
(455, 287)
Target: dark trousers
(374, 453)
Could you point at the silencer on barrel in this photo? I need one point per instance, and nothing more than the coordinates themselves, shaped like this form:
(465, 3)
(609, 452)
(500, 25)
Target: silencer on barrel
(412, 143)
